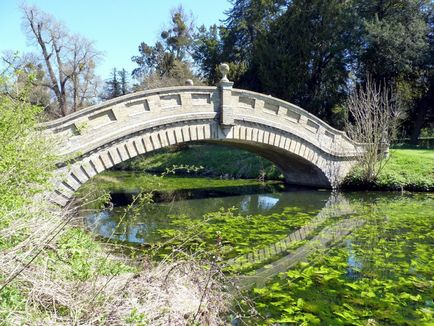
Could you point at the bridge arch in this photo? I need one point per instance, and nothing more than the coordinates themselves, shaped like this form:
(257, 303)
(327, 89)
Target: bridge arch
(306, 149)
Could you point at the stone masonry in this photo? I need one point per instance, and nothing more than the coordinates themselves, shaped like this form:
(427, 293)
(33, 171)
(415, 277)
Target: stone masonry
(306, 149)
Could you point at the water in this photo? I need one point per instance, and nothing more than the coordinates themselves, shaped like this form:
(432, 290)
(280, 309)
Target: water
(303, 256)
(118, 224)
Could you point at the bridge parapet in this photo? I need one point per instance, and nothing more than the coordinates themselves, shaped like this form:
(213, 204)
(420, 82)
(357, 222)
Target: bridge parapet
(149, 108)
(251, 106)
(182, 103)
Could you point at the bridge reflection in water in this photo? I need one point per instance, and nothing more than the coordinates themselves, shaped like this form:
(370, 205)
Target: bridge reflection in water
(329, 227)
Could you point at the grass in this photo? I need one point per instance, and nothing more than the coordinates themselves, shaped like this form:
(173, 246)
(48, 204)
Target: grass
(406, 169)
(48, 285)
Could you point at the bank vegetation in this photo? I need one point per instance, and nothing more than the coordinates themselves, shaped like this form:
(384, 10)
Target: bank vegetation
(52, 271)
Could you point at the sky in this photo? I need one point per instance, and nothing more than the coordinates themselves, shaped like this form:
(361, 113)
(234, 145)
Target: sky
(117, 27)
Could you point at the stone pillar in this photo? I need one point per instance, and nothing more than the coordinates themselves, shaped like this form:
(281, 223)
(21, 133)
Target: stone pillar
(225, 90)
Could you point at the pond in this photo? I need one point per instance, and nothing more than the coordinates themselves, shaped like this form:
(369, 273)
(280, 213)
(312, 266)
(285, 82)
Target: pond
(302, 256)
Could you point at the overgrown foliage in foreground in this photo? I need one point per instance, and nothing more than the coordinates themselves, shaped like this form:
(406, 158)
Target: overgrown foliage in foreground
(53, 272)
(25, 161)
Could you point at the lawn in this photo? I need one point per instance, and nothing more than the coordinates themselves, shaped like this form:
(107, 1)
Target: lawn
(412, 169)
(405, 169)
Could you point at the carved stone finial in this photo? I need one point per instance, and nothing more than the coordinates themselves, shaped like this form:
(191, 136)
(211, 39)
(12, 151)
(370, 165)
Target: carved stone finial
(224, 69)
(188, 82)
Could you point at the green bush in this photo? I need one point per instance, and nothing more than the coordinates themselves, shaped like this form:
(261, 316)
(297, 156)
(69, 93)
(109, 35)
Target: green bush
(26, 162)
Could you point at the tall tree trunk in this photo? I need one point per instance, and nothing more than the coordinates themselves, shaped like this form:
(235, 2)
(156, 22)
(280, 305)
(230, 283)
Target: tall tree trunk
(37, 31)
(419, 122)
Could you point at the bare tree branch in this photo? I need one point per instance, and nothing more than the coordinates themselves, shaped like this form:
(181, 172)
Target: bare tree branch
(69, 60)
(374, 118)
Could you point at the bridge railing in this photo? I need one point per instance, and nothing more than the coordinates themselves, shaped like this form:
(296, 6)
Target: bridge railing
(249, 103)
(122, 102)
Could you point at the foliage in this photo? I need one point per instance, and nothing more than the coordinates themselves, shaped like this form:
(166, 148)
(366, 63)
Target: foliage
(77, 279)
(234, 41)
(309, 58)
(124, 82)
(113, 86)
(312, 52)
(30, 69)
(246, 20)
(81, 128)
(167, 63)
(79, 256)
(207, 52)
(380, 275)
(394, 37)
(397, 48)
(23, 173)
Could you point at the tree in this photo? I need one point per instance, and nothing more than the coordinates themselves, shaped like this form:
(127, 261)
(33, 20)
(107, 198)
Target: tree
(207, 52)
(29, 72)
(423, 112)
(23, 172)
(168, 61)
(311, 52)
(374, 116)
(394, 38)
(112, 86)
(234, 42)
(246, 21)
(117, 85)
(395, 47)
(69, 60)
(125, 89)
(304, 57)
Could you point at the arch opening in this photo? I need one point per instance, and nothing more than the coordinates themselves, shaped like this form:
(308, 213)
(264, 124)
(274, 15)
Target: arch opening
(295, 169)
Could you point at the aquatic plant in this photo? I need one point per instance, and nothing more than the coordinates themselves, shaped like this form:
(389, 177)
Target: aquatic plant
(382, 274)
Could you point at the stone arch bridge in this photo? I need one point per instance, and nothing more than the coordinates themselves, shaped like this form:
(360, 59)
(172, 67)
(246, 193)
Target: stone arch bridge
(307, 150)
